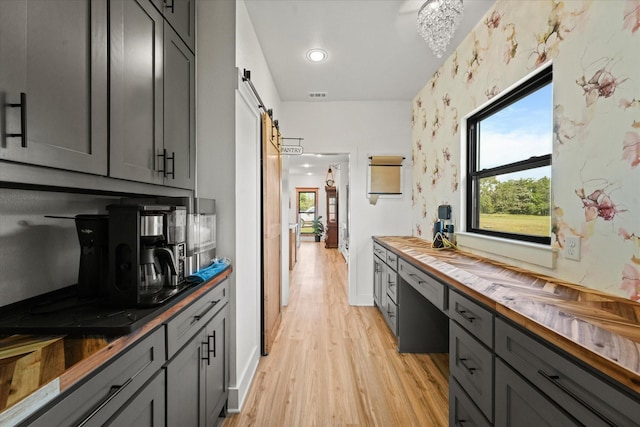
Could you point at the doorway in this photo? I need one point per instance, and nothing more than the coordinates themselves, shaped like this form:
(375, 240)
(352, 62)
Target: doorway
(307, 173)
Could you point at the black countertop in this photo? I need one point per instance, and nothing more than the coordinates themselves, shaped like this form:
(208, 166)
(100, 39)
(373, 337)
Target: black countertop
(63, 312)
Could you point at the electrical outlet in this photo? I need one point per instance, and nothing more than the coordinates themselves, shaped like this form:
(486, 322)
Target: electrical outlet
(572, 248)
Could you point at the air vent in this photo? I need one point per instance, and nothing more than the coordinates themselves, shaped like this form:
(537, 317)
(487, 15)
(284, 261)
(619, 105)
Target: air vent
(317, 95)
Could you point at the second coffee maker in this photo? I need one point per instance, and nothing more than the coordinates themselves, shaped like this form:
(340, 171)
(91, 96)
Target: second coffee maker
(143, 269)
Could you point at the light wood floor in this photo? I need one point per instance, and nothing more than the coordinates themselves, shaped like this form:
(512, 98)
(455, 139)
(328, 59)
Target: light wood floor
(337, 365)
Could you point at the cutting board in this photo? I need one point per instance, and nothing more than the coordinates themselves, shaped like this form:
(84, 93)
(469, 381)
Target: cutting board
(27, 363)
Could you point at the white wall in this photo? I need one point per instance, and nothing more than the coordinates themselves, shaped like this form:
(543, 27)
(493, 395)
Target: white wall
(359, 129)
(228, 147)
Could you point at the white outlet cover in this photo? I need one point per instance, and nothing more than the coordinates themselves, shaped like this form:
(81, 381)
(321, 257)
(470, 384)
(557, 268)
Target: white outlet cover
(572, 248)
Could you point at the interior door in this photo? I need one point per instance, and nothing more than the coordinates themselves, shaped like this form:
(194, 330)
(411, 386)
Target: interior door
(271, 220)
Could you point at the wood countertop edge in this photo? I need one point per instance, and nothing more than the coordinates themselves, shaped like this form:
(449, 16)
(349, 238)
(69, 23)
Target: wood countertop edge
(88, 365)
(592, 359)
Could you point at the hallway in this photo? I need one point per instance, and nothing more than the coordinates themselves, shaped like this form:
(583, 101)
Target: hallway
(334, 364)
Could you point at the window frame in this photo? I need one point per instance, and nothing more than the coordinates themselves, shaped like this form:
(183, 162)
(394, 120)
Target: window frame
(300, 190)
(474, 176)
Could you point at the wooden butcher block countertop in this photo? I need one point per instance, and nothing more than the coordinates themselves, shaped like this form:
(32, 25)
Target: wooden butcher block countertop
(601, 330)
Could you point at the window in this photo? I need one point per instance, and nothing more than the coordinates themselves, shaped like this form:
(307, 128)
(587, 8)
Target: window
(307, 202)
(509, 163)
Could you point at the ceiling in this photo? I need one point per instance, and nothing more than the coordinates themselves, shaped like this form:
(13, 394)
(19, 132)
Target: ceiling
(316, 164)
(374, 50)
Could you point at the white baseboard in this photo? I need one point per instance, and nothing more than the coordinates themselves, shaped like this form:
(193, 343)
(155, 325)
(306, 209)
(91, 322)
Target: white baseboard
(238, 393)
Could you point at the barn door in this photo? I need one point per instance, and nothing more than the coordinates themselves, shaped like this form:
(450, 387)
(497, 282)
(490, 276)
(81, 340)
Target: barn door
(271, 226)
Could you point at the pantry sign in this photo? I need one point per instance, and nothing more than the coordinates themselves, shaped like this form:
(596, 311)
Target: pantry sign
(291, 150)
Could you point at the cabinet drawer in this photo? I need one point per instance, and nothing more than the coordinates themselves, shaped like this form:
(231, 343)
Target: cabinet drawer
(380, 251)
(430, 288)
(392, 260)
(590, 399)
(472, 316)
(517, 403)
(95, 401)
(472, 365)
(462, 411)
(390, 311)
(182, 327)
(391, 282)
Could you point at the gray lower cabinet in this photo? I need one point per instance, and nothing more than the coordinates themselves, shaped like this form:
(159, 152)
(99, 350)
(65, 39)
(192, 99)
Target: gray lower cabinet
(591, 400)
(518, 404)
(217, 335)
(471, 365)
(500, 374)
(379, 254)
(385, 285)
(198, 369)
(462, 411)
(53, 84)
(107, 394)
(146, 408)
(197, 386)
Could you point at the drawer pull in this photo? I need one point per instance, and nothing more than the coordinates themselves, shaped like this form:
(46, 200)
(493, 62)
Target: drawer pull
(463, 362)
(460, 422)
(416, 277)
(555, 380)
(113, 392)
(199, 316)
(465, 316)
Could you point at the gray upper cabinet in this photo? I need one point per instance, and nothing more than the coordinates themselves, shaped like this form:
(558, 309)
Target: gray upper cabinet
(181, 14)
(136, 62)
(54, 53)
(152, 98)
(179, 112)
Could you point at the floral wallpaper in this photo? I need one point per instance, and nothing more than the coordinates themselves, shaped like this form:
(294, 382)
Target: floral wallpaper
(595, 49)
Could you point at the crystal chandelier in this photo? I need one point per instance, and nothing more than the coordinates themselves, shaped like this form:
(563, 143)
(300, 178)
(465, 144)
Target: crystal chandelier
(437, 21)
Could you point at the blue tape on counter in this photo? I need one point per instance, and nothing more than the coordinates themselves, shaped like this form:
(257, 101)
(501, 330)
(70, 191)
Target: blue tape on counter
(207, 273)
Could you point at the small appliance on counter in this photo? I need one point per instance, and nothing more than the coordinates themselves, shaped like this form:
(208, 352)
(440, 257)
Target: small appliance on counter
(443, 227)
(204, 218)
(93, 235)
(200, 230)
(146, 254)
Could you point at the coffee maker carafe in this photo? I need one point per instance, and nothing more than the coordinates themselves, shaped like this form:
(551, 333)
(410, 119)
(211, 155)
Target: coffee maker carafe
(142, 267)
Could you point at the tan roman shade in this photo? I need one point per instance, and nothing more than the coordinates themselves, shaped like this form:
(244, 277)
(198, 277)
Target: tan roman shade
(384, 175)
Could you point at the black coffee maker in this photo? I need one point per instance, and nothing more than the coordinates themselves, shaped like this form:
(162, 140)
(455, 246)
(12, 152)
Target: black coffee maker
(93, 236)
(142, 267)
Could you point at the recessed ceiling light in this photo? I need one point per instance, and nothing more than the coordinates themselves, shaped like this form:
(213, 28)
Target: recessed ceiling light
(316, 55)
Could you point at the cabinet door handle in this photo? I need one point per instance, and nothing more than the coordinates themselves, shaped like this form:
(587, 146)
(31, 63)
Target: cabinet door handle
(213, 337)
(206, 354)
(460, 422)
(555, 380)
(172, 157)
(163, 171)
(23, 120)
(463, 362)
(465, 316)
(169, 6)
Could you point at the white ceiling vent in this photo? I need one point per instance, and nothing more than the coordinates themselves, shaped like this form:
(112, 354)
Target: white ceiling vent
(317, 95)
